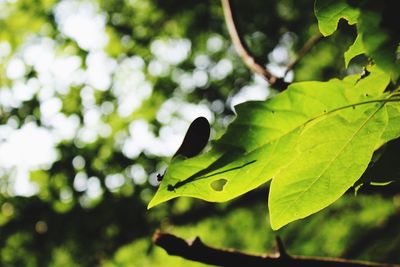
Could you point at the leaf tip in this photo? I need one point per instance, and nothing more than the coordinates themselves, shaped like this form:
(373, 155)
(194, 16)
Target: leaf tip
(151, 204)
(155, 201)
(160, 197)
(276, 225)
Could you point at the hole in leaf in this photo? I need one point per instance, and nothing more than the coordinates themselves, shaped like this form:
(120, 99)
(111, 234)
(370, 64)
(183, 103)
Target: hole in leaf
(218, 185)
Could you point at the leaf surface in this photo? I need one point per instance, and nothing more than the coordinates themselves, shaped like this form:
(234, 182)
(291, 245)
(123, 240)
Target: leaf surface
(329, 12)
(260, 143)
(326, 165)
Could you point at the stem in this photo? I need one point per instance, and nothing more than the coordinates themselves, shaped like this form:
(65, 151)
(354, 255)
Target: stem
(243, 50)
(250, 61)
(303, 51)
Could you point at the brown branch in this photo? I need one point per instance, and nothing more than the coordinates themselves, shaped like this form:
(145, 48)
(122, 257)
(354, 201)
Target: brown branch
(243, 50)
(303, 51)
(196, 250)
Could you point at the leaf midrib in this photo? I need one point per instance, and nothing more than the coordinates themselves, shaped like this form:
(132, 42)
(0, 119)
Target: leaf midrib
(314, 118)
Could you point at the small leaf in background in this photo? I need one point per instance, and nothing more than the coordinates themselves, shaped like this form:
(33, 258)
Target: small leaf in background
(378, 42)
(329, 12)
(378, 33)
(357, 48)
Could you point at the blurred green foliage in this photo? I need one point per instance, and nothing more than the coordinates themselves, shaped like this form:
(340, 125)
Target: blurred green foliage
(79, 77)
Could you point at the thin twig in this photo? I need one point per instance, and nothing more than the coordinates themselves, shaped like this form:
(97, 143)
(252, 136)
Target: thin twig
(281, 248)
(243, 50)
(303, 51)
(196, 250)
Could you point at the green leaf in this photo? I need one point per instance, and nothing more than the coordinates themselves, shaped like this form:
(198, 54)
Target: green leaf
(329, 12)
(326, 165)
(374, 39)
(357, 48)
(378, 42)
(393, 129)
(259, 143)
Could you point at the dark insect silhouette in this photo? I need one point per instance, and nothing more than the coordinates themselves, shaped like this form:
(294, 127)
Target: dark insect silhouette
(195, 140)
(160, 176)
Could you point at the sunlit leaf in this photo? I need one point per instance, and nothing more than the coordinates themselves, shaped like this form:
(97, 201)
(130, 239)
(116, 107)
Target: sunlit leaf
(378, 42)
(260, 143)
(326, 166)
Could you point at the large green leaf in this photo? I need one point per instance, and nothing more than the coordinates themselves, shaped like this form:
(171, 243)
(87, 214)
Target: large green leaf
(332, 154)
(260, 143)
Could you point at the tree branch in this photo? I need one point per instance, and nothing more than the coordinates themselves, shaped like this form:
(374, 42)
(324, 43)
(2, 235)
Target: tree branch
(196, 250)
(303, 51)
(244, 52)
(251, 62)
